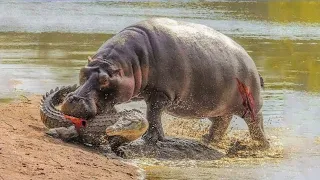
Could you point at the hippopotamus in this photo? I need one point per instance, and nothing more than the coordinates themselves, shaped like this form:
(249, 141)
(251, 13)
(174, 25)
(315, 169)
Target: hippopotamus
(184, 69)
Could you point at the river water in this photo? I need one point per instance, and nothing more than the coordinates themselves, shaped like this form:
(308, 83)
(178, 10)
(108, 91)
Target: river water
(43, 44)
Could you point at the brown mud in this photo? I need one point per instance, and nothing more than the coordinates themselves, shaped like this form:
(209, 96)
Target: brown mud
(27, 153)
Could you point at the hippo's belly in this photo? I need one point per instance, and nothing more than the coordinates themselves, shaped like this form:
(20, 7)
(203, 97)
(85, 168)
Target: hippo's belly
(195, 112)
(204, 109)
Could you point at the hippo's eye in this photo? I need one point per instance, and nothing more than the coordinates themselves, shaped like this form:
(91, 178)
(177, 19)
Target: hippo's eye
(103, 81)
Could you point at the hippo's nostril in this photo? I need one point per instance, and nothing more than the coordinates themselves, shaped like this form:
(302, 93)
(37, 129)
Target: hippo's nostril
(70, 99)
(74, 98)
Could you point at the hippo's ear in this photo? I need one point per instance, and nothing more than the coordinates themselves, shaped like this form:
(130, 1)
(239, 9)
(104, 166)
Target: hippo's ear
(90, 59)
(115, 71)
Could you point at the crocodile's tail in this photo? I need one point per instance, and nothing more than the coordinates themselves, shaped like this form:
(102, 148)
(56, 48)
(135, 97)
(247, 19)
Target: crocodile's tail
(261, 81)
(50, 116)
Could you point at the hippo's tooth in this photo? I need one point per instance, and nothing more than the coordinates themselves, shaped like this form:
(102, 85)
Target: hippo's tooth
(43, 97)
(57, 89)
(51, 91)
(47, 94)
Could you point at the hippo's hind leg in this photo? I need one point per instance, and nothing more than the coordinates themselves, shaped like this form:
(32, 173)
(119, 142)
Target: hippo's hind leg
(257, 131)
(156, 103)
(217, 129)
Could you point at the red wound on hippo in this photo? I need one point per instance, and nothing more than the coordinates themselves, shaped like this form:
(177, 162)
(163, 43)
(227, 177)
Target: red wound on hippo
(78, 122)
(248, 100)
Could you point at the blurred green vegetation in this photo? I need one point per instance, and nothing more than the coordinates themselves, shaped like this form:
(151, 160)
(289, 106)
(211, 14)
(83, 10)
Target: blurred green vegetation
(284, 11)
(276, 11)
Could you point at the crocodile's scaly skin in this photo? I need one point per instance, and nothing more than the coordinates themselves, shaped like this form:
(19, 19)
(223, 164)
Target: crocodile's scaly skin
(95, 131)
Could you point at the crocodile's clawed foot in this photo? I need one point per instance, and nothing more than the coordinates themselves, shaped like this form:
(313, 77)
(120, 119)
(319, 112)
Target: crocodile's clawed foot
(63, 133)
(53, 133)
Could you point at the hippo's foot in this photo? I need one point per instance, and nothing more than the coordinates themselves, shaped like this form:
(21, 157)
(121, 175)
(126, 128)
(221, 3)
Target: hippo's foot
(152, 137)
(239, 146)
(63, 133)
(207, 139)
(264, 145)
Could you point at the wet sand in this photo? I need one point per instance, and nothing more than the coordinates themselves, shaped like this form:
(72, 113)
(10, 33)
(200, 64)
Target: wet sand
(27, 153)
(40, 51)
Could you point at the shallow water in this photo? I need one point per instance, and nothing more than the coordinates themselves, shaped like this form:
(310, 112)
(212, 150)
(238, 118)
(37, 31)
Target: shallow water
(43, 44)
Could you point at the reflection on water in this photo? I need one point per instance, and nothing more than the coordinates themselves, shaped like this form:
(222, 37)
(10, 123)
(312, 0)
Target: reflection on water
(274, 11)
(262, 19)
(44, 44)
(284, 64)
(37, 62)
(294, 63)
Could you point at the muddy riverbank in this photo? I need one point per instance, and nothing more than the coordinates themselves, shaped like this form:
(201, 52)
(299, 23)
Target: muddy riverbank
(27, 153)
(43, 44)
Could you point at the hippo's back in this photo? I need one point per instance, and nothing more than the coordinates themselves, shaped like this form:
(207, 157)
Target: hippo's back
(196, 66)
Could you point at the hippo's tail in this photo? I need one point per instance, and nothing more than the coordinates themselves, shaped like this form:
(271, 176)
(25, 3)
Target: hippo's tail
(261, 81)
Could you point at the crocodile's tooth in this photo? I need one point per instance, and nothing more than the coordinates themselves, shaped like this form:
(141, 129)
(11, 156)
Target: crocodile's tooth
(51, 91)
(43, 97)
(47, 94)
(57, 88)
(63, 87)
(74, 86)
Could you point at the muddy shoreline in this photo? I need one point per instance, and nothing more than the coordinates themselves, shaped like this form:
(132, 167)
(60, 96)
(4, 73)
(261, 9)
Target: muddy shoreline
(27, 153)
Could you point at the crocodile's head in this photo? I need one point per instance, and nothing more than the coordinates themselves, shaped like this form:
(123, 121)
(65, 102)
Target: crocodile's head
(130, 126)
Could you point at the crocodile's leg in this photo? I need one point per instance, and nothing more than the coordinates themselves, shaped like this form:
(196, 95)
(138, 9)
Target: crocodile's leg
(63, 133)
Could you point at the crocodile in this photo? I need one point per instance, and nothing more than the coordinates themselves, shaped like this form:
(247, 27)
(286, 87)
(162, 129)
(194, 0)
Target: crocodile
(121, 127)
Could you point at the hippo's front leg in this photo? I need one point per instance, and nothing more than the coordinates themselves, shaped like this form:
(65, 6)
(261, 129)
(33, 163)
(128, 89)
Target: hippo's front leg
(156, 103)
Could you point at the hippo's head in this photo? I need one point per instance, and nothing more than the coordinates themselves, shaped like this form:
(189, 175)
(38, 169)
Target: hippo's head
(100, 89)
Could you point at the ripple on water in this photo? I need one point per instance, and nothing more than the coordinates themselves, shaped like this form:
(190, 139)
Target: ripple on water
(193, 169)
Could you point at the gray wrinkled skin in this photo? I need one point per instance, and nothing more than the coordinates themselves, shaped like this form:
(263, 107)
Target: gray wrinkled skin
(185, 69)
